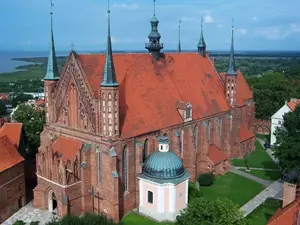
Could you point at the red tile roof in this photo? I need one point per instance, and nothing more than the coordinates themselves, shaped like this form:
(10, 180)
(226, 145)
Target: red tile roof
(216, 155)
(149, 90)
(243, 91)
(40, 102)
(245, 134)
(9, 154)
(13, 132)
(287, 215)
(67, 147)
(293, 103)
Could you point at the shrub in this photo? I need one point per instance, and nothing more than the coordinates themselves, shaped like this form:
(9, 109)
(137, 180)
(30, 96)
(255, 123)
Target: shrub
(206, 179)
(194, 192)
(19, 222)
(35, 223)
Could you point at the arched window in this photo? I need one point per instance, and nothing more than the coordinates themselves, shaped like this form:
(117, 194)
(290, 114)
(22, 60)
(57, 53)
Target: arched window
(195, 136)
(179, 141)
(99, 152)
(208, 130)
(145, 150)
(125, 168)
(220, 126)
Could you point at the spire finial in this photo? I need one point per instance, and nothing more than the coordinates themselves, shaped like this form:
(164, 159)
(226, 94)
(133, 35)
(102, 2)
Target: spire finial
(201, 43)
(201, 22)
(52, 68)
(179, 42)
(109, 76)
(72, 46)
(231, 66)
(154, 13)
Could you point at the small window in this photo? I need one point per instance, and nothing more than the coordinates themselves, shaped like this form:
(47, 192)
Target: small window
(150, 197)
(279, 121)
(188, 113)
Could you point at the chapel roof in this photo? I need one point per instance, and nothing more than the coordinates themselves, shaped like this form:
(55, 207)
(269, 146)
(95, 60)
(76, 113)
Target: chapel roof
(216, 155)
(245, 133)
(67, 147)
(149, 89)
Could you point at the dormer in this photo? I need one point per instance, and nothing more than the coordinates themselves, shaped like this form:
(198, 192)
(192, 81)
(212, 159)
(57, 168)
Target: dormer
(185, 110)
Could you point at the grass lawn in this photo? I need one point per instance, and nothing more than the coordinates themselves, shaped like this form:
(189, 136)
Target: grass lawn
(236, 188)
(30, 73)
(136, 219)
(257, 159)
(267, 175)
(263, 213)
(263, 137)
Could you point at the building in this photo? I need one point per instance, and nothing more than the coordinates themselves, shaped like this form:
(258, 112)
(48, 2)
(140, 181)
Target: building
(12, 179)
(104, 113)
(277, 118)
(163, 184)
(289, 214)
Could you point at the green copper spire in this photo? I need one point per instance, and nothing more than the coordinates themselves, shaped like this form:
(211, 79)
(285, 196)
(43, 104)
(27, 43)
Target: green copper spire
(231, 66)
(154, 44)
(179, 44)
(52, 69)
(109, 74)
(201, 44)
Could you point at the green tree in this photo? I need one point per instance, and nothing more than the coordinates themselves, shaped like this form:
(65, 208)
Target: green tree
(33, 120)
(2, 108)
(287, 148)
(207, 212)
(20, 99)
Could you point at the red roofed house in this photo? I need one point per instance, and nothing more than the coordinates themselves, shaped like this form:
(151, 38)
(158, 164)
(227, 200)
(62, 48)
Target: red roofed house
(12, 179)
(105, 111)
(277, 118)
(289, 214)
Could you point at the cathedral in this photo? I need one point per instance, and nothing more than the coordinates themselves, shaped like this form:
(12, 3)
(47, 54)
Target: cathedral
(106, 112)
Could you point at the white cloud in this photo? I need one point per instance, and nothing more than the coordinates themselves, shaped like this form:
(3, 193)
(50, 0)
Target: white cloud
(208, 19)
(254, 19)
(220, 26)
(241, 31)
(126, 6)
(278, 33)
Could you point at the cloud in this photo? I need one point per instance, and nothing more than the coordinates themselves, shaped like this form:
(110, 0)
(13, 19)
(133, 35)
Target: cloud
(208, 19)
(254, 19)
(220, 26)
(126, 6)
(115, 40)
(241, 31)
(278, 33)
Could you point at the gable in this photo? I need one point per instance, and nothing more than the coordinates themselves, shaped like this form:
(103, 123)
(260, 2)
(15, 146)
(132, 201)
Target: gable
(149, 90)
(279, 114)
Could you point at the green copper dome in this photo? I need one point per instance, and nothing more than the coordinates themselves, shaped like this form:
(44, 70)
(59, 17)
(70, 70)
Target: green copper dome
(163, 165)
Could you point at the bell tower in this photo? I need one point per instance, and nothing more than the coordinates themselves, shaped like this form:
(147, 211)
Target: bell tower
(109, 94)
(154, 45)
(52, 74)
(231, 75)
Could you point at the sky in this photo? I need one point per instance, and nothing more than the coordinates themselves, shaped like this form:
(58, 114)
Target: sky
(259, 24)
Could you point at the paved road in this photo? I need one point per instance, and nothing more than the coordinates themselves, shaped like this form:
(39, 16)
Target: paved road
(29, 214)
(254, 168)
(269, 151)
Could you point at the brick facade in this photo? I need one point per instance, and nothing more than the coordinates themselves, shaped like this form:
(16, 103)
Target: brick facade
(102, 175)
(12, 189)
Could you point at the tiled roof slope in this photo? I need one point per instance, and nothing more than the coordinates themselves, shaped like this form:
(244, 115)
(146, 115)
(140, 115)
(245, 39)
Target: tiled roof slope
(149, 90)
(13, 132)
(245, 134)
(287, 215)
(243, 91)
(216, 155)
(67, 147)
(293, 103)
(9, 154)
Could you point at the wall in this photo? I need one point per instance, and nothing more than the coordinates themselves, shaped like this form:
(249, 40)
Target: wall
(277, 121)
(145, 187)
(181, 196)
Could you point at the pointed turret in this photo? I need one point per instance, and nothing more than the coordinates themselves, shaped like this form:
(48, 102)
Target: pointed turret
(201, 44)
(52, 69)
(179, 43)
(109, 74)
(231, 66)
(154, 45)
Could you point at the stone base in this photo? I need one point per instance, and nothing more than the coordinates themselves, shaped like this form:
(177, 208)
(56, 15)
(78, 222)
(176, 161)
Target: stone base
(166, 216)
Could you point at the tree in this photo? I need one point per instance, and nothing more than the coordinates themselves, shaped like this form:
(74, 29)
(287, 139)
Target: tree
(211, 212)
(287, 146)
(20, 99)
(33, 120)
(2, 108)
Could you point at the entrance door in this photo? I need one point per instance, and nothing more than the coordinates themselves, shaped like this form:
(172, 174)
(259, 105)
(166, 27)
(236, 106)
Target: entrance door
(52, 202)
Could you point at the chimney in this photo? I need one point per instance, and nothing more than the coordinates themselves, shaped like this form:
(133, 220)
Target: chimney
(289, 194)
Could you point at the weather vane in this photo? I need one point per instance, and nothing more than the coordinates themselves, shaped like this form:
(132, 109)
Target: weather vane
(232, 22)
(108, 10)
(72, 46)
(201, 21)
(154, 7)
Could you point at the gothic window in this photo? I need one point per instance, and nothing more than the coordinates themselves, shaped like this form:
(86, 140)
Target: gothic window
(150, 197)
(145, 150)
(179, 134)
(220, 126)
(208, 130)
(230, 122)
(109, 96)
(103, 103)
(76, 168)
(99, 166)
(109, 121)
(125, 168)
(195, 136)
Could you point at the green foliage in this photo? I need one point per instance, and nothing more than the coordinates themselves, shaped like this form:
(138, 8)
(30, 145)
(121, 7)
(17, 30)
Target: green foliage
(33, 120)
(209, 212)
(206, 179)
(35, 223)
(2, 108)
(87, 219)
(194, 192)
(287, 148)
(19, 222)
(21, 98)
